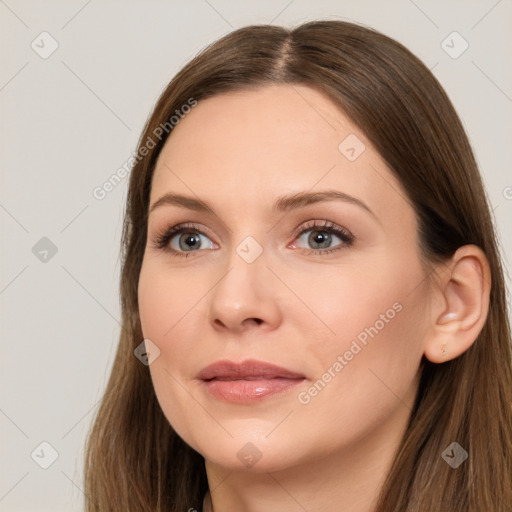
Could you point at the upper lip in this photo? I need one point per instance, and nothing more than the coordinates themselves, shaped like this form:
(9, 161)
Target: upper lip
(246, 369)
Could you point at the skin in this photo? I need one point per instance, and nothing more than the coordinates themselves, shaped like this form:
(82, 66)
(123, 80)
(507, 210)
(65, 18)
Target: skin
(239, 152)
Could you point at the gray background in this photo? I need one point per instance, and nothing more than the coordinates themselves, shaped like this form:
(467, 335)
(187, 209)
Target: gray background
(70, 120)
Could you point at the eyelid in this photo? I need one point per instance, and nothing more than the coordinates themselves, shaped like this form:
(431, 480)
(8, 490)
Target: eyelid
(315, 224)
(192, 226)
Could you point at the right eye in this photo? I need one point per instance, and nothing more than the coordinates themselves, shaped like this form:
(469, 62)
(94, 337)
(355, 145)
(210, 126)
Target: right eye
(188, 241)
(182, 239)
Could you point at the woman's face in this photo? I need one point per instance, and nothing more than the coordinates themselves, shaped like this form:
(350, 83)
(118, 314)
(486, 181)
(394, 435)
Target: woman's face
(330, 289)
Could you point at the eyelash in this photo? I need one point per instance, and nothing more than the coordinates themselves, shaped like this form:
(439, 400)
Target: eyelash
(163, 237)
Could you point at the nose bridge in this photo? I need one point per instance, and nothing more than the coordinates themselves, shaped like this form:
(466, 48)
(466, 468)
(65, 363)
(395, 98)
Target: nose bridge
(249, 249)
(243, 291)
(245, 267)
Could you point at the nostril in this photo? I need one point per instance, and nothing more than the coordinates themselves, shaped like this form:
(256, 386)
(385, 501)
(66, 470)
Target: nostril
(247, 322)
(255, 320)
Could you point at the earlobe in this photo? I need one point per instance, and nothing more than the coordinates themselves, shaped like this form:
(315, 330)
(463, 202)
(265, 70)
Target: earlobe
(463, 294)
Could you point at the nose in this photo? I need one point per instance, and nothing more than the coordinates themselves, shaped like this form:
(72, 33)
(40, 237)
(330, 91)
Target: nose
(245, 297)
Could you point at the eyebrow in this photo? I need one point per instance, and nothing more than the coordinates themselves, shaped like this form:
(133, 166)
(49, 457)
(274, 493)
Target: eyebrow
(282, 204)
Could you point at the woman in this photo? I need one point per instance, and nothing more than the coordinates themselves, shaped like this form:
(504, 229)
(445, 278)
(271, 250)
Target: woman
(314, 312)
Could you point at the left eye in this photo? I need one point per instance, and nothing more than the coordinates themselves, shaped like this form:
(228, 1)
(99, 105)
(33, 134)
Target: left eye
(319, 238)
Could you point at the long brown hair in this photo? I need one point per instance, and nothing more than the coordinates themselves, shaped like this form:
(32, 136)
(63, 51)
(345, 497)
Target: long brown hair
(134, 459)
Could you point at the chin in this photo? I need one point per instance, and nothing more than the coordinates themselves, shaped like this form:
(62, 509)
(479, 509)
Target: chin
(250, 452)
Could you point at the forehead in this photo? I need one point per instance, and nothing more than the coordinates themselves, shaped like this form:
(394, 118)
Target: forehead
(238, 150)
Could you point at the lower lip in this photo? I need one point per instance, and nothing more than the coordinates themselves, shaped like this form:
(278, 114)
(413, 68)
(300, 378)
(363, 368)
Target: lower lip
(247, 391)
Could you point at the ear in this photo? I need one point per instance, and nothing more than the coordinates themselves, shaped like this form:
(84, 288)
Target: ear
(462, 304)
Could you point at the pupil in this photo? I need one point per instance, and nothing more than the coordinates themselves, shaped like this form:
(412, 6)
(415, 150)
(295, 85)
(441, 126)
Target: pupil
(320, 237)
(190, 241)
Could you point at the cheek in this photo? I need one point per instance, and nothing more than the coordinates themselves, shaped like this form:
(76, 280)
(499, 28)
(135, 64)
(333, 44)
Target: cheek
(166, 305)
(372, 348)
(165, 302)
(344, 305)
(361, 387)
(165, 298)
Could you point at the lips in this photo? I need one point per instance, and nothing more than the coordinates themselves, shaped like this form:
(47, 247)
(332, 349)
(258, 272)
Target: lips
(247, 381)
(246, 370)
